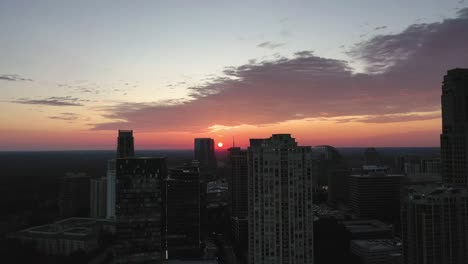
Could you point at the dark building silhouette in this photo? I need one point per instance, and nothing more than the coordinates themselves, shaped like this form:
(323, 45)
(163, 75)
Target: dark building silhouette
(182, 213)
(331, 171)
(239, 200)
(280, 201)
(434, 217)
(376, 195)
(125, 145)
(139, 208)
(98, 197)
(205, 153)
(74, 195)
(239, 173)
(435, 225)
(371, 157)
(326, 160)
(454, 137)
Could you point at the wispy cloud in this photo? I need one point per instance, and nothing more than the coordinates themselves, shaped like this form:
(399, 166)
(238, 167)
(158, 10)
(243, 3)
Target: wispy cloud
(270, 45)
(13, 78)
(51, 101)
(66, 117)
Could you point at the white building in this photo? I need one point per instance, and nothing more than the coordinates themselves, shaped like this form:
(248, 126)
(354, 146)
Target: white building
(280, 201)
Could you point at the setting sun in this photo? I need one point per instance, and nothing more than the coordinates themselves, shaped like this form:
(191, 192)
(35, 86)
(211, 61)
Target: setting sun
(220, 144)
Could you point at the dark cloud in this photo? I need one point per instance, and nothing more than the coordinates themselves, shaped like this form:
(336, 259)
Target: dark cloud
(431, 47)
(381, 27)
(52, 101)
(402, 83)
(66, 117)
(13, 78)
(270, 45)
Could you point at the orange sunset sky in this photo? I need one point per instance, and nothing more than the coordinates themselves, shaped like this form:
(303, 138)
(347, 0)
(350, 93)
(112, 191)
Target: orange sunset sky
(72, 74)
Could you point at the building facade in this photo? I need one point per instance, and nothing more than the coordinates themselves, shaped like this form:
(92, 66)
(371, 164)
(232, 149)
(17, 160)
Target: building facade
(204, 152)
(98, 198)
(375, 195)
(139, 208)
(74, 195)
(435, 225)
(182, 213)
(280, 210)
(111, 182)
(125, 145)
(239, 173)
(454, 137)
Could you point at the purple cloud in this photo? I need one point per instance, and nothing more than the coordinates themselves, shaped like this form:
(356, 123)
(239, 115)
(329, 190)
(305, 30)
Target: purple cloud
(51, 101)
(404, 74)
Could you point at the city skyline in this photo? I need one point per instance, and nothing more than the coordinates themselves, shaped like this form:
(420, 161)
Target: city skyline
(172, 74)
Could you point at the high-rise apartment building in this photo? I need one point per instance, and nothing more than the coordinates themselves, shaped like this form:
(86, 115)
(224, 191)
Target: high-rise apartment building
(98, 192)
(205, 153)
(454, 137)
(139, 208)
(182, 213)
(435, 225)
(125, 146)
(280, 201)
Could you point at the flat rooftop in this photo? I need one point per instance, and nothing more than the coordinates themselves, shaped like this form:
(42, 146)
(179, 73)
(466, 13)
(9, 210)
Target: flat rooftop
(376, 245)
(362, 226)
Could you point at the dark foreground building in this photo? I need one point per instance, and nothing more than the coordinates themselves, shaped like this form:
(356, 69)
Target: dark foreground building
(435, 225)
(454, 137)
(182, 213)
(139, 209)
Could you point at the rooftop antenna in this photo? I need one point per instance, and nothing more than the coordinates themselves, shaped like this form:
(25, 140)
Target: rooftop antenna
(233, 142)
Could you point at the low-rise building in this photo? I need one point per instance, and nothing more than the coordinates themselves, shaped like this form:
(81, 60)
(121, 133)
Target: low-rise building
(64, 237)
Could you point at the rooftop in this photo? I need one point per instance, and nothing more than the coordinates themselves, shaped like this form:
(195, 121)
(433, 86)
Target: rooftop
(376, 245)
(432, 192)
(358, 226)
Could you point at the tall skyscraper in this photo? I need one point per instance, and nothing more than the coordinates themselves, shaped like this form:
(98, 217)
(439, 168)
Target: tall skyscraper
(205, 153)
(182, 213)
(454, 137)
(139, 209)
(98, 197)
(280, 201)
(125, 147)
(435, 218)
(435, 225)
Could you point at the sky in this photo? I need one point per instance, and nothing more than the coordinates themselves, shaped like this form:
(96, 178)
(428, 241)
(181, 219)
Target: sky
(343, 73)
